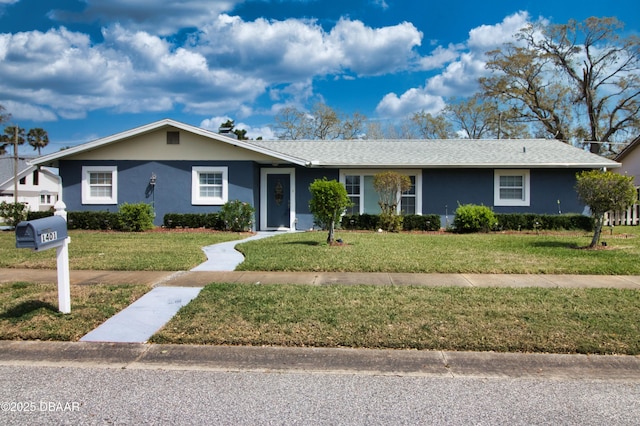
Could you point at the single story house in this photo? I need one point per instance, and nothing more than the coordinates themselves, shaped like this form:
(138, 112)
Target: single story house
(38, 187)
(179, 168)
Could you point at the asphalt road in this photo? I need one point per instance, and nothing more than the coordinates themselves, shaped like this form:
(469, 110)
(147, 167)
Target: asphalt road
(32, 395)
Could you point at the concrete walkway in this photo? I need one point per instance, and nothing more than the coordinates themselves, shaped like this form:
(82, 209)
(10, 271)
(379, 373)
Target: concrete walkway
(224, 256)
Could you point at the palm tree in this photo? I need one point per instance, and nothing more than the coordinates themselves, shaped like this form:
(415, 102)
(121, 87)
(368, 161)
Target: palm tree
(38, 138)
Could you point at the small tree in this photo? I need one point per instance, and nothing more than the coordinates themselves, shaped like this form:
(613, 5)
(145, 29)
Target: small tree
(329, 199)
(390, 186)
(602, 192)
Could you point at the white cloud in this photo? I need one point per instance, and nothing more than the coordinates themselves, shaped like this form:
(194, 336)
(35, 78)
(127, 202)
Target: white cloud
(463, 65)
(487, 37)
(374, 51)
(412, 100)
(299, 49)
(164, 18)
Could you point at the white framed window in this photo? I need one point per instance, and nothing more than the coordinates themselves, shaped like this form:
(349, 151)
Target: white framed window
(209, 185)
(511, 188)
(99, 185)
(359, 185)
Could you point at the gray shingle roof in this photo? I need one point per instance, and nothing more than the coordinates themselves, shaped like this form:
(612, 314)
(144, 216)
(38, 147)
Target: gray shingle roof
(6, 167)
(431, 153)
(438, 153)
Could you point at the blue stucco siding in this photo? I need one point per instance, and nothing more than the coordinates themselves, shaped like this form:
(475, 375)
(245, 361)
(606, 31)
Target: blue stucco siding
(172, 192)
(444, 189)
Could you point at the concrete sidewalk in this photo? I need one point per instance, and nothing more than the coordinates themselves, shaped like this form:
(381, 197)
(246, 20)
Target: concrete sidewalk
(202, 278)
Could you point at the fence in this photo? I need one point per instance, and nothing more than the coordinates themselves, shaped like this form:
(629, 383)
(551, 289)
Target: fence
(631, 216)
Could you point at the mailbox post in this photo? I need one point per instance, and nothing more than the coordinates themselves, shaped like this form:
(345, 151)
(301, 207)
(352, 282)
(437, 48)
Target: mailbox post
(47, 233)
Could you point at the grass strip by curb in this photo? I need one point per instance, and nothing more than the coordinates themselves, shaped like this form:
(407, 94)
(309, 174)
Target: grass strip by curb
(594, 321)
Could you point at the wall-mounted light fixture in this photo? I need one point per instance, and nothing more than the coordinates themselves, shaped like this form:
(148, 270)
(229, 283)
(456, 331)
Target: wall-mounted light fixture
(152, 180)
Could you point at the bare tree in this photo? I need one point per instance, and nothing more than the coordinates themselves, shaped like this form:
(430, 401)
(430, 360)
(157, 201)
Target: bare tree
(579, 81)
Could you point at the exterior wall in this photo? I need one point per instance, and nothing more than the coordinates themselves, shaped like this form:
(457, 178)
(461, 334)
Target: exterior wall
(153, 147)
(631, 165)
(172, 192)
(444, 189)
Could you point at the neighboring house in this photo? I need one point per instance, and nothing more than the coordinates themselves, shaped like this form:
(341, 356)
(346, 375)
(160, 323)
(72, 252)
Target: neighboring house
(180, 168)
(629, 157)
(37, 187)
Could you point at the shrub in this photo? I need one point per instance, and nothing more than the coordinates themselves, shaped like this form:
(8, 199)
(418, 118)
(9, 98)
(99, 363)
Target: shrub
(415, 222)
(38, 215)
(237, 216)
(94, 220)
(473, 218)
(531, 221)
(13, 213)
(364, 221)
(135, 217)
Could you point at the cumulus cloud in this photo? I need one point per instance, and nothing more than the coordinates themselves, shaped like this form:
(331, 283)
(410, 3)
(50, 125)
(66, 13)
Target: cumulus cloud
(410, 101)
(223, 66)
(461, 65)
(164, 18)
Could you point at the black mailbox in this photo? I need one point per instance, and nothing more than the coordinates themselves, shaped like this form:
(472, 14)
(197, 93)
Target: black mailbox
(41, 234)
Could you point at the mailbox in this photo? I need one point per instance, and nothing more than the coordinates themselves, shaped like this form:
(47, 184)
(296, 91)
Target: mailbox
(41, 234)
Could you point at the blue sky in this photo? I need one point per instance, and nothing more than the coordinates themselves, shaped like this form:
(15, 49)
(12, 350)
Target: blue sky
(85, 69)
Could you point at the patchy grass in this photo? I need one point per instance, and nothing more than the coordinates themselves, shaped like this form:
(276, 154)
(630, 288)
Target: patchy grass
(595, 321)
(29, 311)
(119, 251)
(522, 253)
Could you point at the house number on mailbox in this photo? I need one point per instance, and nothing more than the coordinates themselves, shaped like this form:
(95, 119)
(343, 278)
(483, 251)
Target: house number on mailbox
(48, 237)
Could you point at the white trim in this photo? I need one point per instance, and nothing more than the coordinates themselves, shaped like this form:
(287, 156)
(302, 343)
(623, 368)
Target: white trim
(263, 197)
(526, 193)
(196, 198)
(370, 172)
(86, 187)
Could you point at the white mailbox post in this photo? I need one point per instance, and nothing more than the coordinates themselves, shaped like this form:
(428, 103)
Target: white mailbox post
(47, 233)
(62, 256)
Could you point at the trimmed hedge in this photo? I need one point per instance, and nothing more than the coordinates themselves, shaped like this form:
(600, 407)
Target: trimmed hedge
(371, 222)
(530, 222)
(194, 220)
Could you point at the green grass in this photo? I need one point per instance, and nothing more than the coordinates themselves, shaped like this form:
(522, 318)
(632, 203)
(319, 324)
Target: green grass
(118, 251)
(29, 311)
(597, 321)
(523, 253)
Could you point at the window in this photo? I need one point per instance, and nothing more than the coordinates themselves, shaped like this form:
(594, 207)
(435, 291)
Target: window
(36, 177)
(23, 180)
(408, 202)
(352, 184)
(173, 138)
(511, 188)
(359, 186)
(45, 198)
(209, 185)
(99, 185)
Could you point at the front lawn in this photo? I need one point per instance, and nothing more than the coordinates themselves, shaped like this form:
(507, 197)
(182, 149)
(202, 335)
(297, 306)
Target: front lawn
(512, 253)
(119, 251)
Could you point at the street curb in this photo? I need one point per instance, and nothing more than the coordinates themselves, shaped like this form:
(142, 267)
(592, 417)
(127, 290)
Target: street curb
(317, 360)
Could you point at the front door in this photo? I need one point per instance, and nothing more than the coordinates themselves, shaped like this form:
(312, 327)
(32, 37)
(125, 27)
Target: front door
(276, 199)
